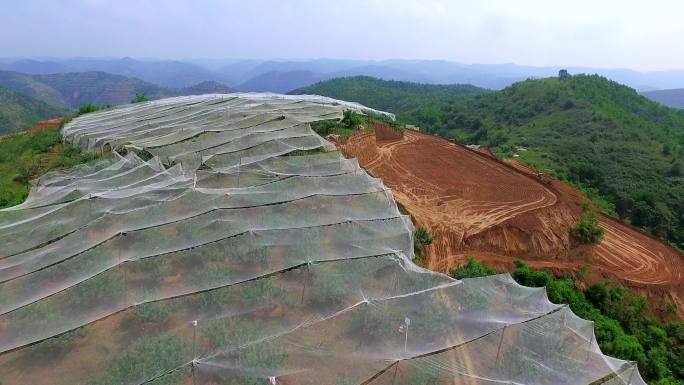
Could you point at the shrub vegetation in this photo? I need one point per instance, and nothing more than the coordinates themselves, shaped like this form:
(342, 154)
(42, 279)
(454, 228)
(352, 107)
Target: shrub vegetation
(27, 155)
(587, 229)
(623, 325)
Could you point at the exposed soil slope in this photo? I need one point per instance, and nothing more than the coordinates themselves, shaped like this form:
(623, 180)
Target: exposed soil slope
(477, 205)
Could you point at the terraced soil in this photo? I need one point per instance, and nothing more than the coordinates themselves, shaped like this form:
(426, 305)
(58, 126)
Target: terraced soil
(456, 193)
(474, 204)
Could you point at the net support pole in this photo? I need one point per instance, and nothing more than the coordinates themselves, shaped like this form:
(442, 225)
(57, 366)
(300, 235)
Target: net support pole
(306, 278)
(498, 350)
(396, 368)
(591, 342)
(396, 283)
(238, 178)
(629, 382)
(194, 351)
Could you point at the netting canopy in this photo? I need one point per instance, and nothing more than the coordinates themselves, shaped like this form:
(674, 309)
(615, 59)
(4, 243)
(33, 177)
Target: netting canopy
(222, 241)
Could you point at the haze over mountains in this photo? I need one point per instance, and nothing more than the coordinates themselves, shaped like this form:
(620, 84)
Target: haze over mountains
(66, 84)
(287, 75)
(73, 89)
(671, 98)
(18, 111)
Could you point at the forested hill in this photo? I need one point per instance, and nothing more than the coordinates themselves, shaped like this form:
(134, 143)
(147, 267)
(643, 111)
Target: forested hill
(390, 95)
(615, 144)
(18, 112)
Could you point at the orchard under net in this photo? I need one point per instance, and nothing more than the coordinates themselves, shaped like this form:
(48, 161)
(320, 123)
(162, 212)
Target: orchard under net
(219, 240)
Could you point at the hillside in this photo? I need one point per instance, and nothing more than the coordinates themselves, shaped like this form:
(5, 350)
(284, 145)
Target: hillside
(141, 271)
(593, 132)
(19, 112)
(473, 205)
(29, 86)
(671, 98)
(32, 153)
(101, 88)
(390, 95)
(617, 146)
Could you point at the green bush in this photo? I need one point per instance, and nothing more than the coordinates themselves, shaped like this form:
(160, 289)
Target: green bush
(146, 358)
(374, 322)
(24, 157)
(471, 269)
(351, 119)
(139, 98)
(421, 239)
(88, 108)
(587, 229)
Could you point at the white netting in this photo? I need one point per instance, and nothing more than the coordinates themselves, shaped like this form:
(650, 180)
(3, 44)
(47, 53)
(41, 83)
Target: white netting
(233, 245)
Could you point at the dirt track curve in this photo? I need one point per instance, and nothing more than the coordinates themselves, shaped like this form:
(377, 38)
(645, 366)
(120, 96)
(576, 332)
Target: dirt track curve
(477, 205)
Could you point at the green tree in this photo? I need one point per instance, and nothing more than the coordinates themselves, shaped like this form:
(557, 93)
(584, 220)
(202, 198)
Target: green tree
(88, 108)
(27, 169)
(471, 269)
(139, 98)
(587, 229)
(421, 239)
(351, 119)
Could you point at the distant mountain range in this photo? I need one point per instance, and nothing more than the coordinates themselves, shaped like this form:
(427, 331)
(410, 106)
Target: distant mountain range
(287, 75)
(671, 98)
(73, 89)
(492, 76)
(281, 81)
(18, 111)
(70, 90)
(167, 73)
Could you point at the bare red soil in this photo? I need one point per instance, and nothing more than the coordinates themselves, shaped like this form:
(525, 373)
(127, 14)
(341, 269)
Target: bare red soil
(476, 205)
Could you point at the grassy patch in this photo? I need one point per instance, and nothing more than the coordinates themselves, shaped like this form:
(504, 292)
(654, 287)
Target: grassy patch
(28, 155)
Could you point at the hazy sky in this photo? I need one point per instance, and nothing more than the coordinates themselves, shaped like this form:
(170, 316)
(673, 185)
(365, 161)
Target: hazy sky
(639, 34)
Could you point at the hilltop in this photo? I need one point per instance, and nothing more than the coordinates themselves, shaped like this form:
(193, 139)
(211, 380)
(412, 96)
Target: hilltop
(19, 111)
(390, 95)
